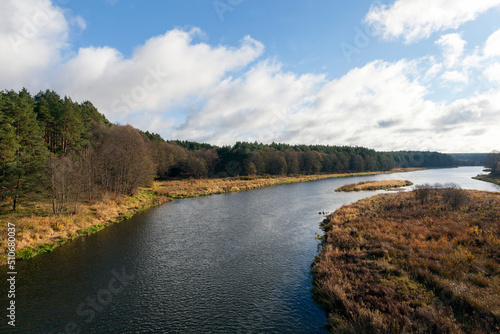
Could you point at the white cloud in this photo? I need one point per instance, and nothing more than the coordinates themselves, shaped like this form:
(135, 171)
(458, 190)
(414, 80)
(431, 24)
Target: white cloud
(182, 88)
(369, 106)
(380, 105)
(453, 48)
(79, 22)
(492, 47)
(492, 73)
(455, 76)
(432, 72)
(418, 19)
(462, 67)
(166, 70)
(474, 113)
(256, 106)
(384, 106)
(32, 35)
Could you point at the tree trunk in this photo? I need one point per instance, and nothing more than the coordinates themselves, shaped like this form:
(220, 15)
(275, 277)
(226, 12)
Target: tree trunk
(16, 196)
(76, 202)
(54, 204)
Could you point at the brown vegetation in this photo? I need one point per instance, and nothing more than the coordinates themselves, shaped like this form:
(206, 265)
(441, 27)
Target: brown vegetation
(491, 164)
(39, 230)
(375, 185)
(488, 178)
(38, 226)
(426, 261)
(202, 187)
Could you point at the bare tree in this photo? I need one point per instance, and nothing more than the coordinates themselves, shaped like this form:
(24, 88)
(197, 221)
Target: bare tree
(454, 196)
(65, 184)
(423, 192)
(492, 163)
(123, 161)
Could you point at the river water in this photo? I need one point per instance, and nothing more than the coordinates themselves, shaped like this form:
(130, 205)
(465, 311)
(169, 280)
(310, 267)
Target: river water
(231, 263)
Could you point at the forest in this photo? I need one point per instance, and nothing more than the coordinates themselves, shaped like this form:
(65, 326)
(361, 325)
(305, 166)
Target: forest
(54, 148)
(469, 159)
(492, 164)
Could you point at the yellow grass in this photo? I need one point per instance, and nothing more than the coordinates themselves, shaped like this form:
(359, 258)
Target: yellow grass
(392, 264)
(488, 178)
(375, 185)
(202, 187)
(37, 227)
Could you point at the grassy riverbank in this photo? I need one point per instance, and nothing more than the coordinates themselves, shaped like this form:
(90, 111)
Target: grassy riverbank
(375, 185)
(488, 178)
(38, 230)
(204, 187)
(425, 262)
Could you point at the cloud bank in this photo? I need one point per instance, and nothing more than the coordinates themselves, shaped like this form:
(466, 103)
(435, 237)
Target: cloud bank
(183, 88)
(414, 20)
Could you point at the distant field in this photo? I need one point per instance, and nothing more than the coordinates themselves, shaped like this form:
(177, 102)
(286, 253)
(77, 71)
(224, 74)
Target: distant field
(426, 261)
(374, 185)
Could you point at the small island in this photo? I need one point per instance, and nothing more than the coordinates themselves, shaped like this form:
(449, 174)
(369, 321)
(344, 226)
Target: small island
(375, 185)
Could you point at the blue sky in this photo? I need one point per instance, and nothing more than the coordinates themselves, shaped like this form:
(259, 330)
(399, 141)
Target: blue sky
(306, 36)
(388, 75)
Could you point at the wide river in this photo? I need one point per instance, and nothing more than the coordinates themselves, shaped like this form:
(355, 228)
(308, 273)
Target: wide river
(231, 263)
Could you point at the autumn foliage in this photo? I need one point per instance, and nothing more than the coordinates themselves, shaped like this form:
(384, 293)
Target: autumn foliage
(409, 263)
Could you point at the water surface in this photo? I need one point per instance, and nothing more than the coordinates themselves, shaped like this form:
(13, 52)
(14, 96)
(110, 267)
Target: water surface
(231, 263)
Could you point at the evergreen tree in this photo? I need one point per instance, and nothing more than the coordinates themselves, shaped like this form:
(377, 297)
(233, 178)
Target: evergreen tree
(9, 144)
(24, 170)
(492, 163)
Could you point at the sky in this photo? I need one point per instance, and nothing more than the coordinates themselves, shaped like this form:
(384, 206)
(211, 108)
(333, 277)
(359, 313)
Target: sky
(388, 75)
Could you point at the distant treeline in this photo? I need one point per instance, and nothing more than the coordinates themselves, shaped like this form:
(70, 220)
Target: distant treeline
(492, 163)
(469, 159)
(53, 146)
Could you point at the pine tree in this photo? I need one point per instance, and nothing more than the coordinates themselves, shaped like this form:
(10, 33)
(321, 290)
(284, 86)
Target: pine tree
(24, 170)
(71, 126)
(8, 146)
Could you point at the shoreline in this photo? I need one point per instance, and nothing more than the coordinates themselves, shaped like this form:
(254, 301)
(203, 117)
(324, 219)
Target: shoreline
(487, 178)
(380, 252)
(38, 231)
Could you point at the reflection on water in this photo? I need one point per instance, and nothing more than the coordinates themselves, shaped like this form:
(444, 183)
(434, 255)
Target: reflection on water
(233, 263)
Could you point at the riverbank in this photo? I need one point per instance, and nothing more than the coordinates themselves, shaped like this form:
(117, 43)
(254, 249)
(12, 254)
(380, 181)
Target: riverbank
(412, 262)
(39, 231)
(204, 187)
(488, 178)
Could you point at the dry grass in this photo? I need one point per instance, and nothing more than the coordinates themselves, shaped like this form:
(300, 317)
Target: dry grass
(203, 187)
(488, 178)
(375, 185)
(38, 230)
(391, 264)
